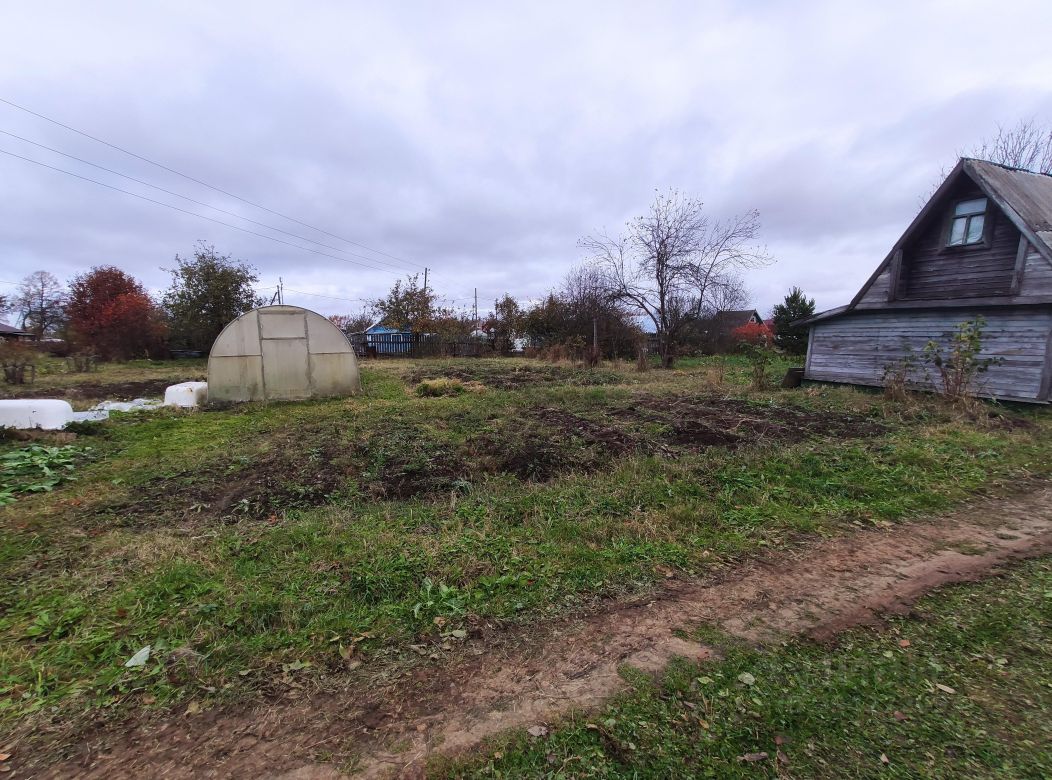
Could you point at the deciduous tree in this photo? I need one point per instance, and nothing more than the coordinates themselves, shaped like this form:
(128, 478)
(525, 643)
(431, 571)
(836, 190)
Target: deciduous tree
(40, 303)
(110, 313)
(670, 263)
(208, 291)
(352, 323)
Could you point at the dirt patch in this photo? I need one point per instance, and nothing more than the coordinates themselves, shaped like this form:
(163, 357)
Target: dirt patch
(89, 391)
(260, 486)
(400, 460)
(505, 377)
(697, 423)
(543, 443)
(546, 671)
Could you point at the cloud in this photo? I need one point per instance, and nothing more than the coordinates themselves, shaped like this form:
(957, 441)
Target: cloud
(483, 140)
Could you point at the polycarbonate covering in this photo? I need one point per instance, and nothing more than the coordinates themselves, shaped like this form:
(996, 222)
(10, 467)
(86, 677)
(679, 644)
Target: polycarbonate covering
(281, 353)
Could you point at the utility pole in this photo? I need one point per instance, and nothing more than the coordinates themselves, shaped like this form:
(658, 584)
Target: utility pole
(281, 291)
(476, 308)
(425, 278)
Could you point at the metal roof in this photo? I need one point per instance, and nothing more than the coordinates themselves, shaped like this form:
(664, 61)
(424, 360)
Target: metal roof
(1028, 194)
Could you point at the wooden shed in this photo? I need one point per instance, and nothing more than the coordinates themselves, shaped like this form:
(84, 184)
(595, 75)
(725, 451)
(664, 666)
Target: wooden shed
(981, 246)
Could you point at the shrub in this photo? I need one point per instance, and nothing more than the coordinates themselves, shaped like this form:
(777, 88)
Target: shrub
(433, 388)
(958, 365)
(756, 341)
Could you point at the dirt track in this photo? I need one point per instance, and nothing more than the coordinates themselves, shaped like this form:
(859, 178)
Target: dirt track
(818, 591)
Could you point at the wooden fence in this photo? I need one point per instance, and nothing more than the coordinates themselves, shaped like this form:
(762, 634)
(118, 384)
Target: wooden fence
(417, 345)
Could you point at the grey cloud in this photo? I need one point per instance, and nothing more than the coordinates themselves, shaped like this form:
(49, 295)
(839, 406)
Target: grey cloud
(483, 140)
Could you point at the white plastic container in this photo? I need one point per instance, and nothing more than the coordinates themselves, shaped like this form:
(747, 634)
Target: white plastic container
(186, 394)
(46, 413)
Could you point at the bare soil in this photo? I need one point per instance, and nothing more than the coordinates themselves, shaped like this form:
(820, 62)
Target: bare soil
(500, 377)
(392, 724)
(399, 461)
(91, 391)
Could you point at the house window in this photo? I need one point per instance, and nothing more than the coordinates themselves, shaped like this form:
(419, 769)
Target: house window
(969, 218)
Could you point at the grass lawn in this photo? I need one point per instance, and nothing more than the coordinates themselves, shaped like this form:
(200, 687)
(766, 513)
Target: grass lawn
(964, 689)
(266, 545)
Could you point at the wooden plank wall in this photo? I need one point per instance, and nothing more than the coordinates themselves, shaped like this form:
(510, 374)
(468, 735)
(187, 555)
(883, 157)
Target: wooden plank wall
(858, 348)
(933, 270)
(1037, 275)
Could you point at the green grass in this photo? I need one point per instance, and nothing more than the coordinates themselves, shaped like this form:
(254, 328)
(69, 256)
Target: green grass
(832, 712)
(359, 521)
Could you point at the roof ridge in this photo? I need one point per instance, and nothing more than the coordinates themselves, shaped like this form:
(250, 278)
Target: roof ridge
(1005, 166)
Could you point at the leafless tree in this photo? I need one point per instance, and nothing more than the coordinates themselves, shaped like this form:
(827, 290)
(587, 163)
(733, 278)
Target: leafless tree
(1027, 145)
(672, 263)
(41, 303)
(730, 294)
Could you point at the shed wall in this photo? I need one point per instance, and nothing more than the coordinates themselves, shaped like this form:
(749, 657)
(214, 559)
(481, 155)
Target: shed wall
(858, 348)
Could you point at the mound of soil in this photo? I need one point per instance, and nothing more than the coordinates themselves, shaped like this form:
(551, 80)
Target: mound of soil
(511, 377)
(262, 486)
(547, 442)
(697, 423)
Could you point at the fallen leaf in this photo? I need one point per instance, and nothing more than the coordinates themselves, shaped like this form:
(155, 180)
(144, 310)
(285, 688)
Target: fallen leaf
(537, 731)
(346, 652)
(780, 740)
(149, 699)
(899, 715)
(945, 688)
(193, 707)
(458, 633)
(440, 621)
(746, 678)
(139, 659)
(782, 757)
(884, 759)
(754, 757)
(4, 756)
(904, 643)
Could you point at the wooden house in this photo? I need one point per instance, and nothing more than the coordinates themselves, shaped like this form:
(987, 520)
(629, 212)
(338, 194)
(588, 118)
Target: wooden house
(715, 334)
(9, 333)
(981, 246)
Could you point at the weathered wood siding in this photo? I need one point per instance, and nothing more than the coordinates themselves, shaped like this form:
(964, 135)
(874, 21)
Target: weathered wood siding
(931, 270)
(1037, 276)
(858, 348)
(877, 294)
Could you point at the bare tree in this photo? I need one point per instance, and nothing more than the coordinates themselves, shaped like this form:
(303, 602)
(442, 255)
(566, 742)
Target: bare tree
(672, 263)
(1027, 145)
(41, 303)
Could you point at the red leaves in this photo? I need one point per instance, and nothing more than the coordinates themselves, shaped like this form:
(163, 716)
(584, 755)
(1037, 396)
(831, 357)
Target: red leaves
(110, 313)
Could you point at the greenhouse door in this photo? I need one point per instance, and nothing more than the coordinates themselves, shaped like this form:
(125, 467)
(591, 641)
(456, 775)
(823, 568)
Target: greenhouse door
(286, 365)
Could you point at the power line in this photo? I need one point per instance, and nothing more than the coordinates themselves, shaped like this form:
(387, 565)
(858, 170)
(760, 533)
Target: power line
(198, 202)
(203, 183)
(195, 214)
(333, 297)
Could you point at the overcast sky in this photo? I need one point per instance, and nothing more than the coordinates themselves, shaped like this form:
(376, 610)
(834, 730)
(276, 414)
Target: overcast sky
(482, 140)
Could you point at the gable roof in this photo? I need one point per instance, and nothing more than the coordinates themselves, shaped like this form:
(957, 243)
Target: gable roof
(12, 331)
(735, 318)
(1023, 196)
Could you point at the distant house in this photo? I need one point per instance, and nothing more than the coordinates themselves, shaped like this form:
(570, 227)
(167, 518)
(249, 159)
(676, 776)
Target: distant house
(981, 246)
(716, 333)
(10, 333)
(381, 340)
